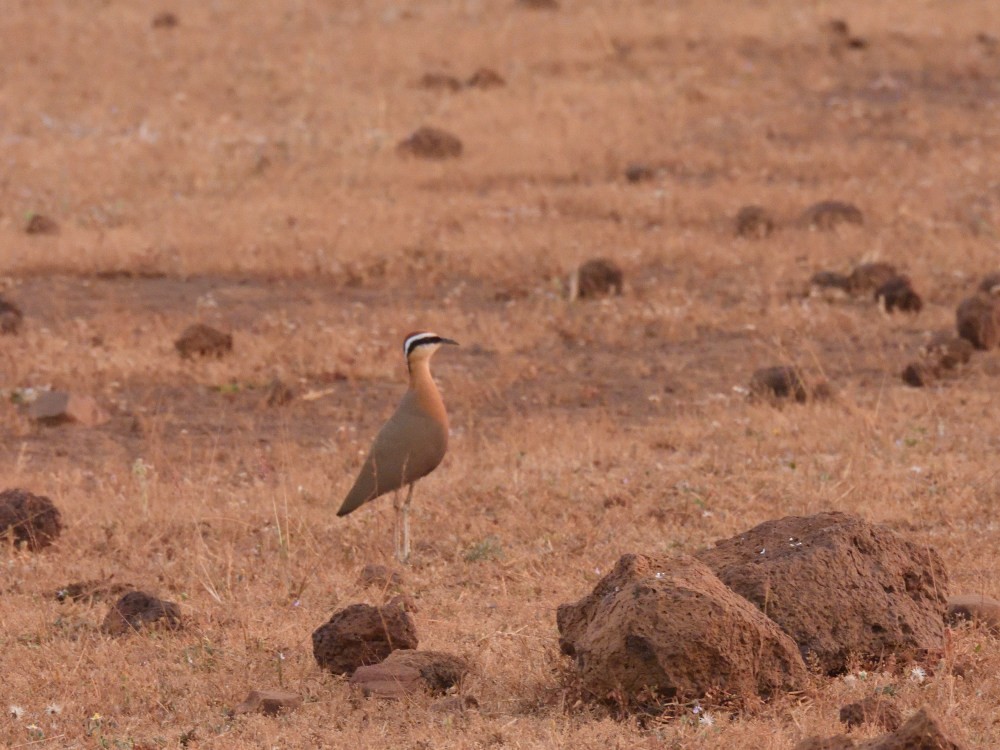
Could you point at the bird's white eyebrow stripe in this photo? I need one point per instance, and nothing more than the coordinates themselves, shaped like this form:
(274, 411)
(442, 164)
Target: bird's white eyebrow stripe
(419, 338)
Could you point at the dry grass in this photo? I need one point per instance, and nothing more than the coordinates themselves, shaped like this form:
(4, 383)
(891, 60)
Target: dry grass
(248, 156)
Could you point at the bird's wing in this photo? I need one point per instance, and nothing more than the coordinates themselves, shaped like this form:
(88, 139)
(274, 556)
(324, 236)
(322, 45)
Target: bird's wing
(409, 446)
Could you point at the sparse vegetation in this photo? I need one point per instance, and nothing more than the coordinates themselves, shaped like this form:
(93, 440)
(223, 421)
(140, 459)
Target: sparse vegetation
(237, 166)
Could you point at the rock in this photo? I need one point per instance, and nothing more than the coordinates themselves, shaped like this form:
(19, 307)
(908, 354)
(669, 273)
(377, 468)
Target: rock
(778, 383)
(974, 608)
(830, 214)
(841, 742)
(920, 374)
(430, 143)
(278, 394)
(667, 624)
(204, 341)
(978, 320)
(868, 277)
(387, 680)
(269, 702)
(639, 172)
(439, 81)
(405, 671)
(539, 4)
(485, 78)
(11, 317)
(754, 222)
(165, 20)
(920, 732)
(947, 351)
(843, 589)
(31, 520)
(136, 610)
(898, 294)
(875, 709)
(596, 278)
(39, 224)
(91, 591)
(361, 634)
(58, 407)
(990, 283)
(380, 576)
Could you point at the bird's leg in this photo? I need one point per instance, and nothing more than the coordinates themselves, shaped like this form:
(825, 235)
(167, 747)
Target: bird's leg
(397, 528)
(406, 524)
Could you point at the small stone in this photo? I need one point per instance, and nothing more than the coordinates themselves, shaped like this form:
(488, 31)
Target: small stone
(136, 610)
(877, 710)
(539, 4)
(31, 520)
(639, 172)
(596, 278)
(431, 143)
(165, 20)
(58, 407)
(406, 671)
(40, 224)
(11, 317)
(361, 635)
(974, 608)
(830, 214)
(868, 277)
(380, 576)
(204, 341)
(990, 283)
(947, 350)
(754, 222)
(269, 702)
(439, 81)
(978, 320)
(778, 383)
(920, 374)
(485, 78)
(898, 294)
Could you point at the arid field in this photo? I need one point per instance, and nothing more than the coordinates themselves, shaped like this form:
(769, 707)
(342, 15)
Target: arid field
(236, 164)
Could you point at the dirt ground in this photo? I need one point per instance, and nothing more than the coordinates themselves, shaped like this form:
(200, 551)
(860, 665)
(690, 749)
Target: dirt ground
(239, 168)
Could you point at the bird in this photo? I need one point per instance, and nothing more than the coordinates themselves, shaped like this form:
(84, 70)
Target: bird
(410, 444)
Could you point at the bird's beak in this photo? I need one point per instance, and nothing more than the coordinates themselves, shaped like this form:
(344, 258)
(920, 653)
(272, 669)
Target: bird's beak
(450, 341)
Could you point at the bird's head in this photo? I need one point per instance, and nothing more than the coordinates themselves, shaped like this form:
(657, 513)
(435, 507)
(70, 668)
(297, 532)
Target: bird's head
(421, 345)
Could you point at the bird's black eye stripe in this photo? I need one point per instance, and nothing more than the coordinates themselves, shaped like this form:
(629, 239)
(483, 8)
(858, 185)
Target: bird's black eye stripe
(414, 341)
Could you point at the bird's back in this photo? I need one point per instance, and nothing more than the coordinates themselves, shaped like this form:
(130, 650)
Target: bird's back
(409, 446)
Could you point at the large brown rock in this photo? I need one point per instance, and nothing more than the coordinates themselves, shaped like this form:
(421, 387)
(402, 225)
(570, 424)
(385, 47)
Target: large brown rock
(361, 634)
(978, 320)
(431, 143)
(136, 610)
(406, 671)
(830, 214)
(842, 588)
(920, 732)
(599, 277)
(29, 519)
(667, 624)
